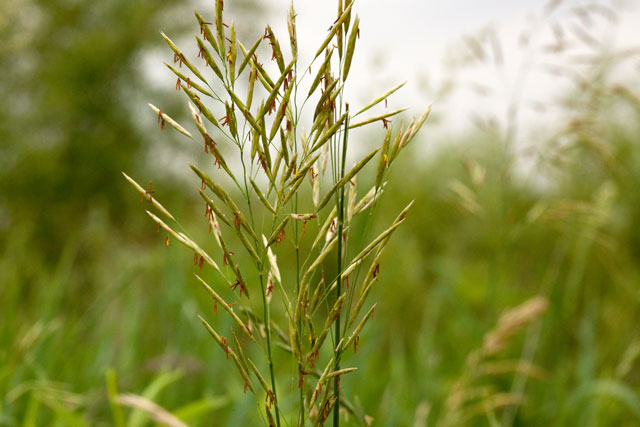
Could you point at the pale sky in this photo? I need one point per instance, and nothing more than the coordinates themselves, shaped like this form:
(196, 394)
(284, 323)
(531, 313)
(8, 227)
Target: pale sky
(410, 39)
(422, 42)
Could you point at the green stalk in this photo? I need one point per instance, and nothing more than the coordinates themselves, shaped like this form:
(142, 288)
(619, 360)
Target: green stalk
(336, 381)
(299, 325)
(267, 322)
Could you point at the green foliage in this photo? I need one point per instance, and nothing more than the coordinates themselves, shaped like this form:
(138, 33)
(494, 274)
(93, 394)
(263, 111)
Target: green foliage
(110, 315)
(67, 68)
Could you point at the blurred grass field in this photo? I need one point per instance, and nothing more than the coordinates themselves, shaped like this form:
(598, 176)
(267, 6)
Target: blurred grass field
(91, 299)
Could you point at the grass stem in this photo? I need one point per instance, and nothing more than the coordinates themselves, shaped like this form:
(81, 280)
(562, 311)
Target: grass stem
(336, 381)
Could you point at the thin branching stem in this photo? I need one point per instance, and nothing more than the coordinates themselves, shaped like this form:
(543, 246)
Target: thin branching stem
(267, 322)
(336, 383)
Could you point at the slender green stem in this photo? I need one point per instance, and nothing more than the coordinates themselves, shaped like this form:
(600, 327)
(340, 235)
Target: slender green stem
(299, 325)
(336, 383)
(267, 322)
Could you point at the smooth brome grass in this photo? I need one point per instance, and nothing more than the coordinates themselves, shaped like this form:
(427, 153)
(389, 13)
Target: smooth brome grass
(319, 316)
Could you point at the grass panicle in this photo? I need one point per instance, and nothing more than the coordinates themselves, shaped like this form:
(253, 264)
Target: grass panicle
(273, 159)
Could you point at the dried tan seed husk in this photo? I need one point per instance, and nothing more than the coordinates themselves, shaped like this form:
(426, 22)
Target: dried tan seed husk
(368, 199)
(272, 261)
(154, 411)
(502, 367)
(413, 130)
(511, 322)
(340, 372)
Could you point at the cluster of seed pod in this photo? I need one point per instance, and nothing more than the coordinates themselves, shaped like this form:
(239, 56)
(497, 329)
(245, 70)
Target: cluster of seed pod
(282, 157)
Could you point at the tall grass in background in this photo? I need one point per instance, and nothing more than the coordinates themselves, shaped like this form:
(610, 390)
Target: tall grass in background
(546, 213)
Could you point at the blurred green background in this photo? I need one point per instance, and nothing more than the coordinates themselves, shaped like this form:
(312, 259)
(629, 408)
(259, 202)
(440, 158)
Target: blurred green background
(89, 293)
